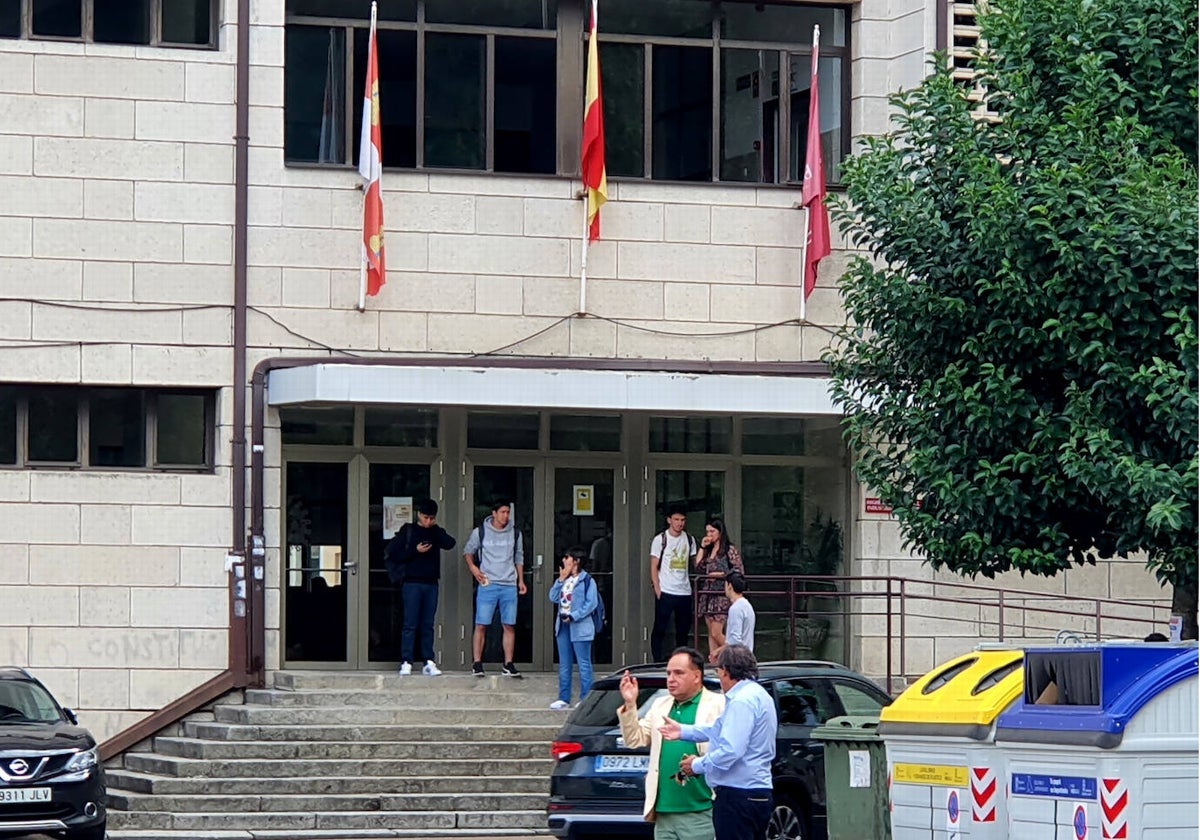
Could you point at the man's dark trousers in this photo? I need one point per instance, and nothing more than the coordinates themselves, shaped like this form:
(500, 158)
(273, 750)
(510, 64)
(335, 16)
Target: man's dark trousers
(681, 606)
(740, 813)
(420, 607)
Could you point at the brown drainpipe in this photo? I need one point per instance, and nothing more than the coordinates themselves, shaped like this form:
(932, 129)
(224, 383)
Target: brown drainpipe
(235, 675)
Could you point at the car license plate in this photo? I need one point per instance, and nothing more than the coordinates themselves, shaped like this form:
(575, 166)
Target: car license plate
(622, 763)
(25, 794)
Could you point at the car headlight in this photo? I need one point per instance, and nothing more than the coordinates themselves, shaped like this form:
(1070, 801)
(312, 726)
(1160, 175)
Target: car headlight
(83, 761)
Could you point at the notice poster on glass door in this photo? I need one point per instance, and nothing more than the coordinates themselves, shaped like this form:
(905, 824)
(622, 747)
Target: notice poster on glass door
(397, 512)
(585, 500)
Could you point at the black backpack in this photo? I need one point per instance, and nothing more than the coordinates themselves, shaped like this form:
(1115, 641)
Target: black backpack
(599, 619)
(394, 554)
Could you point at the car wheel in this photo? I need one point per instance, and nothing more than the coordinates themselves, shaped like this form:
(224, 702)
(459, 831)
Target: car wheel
(787, 821)
(95, 832)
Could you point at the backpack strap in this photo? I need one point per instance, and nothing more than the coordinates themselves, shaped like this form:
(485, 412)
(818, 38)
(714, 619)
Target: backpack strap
(516, 544)
(662, 546)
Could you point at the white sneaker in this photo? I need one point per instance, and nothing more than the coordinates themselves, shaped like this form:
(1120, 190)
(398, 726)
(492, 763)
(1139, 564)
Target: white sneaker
(559, 705)
(431, 669)
(406, 669)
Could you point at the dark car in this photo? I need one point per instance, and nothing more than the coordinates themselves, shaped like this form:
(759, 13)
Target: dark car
(51, 778)
(598, 785)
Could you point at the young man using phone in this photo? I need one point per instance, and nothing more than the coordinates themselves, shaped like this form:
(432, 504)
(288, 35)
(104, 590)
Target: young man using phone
(418, 550)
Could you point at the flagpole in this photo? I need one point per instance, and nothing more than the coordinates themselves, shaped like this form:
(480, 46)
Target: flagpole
(584, 254)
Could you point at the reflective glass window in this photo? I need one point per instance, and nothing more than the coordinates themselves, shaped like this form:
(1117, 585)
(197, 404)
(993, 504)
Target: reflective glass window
(315, 94)
(182, 436)
(525, 109)
(488, 430)
(527, 14)
(585, 433)
(8, 425)
(330, 426)
(116, 429)
(682, 113)
(455, 101)
(398, 109)
(773, 436)
(693, 435)
(57, 18)
(186, 22)
(53, 426)
(400, 427)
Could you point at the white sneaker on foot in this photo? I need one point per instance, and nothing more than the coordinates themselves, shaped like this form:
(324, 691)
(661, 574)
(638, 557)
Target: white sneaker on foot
(406, 669)
(431, 669)
(559, 705)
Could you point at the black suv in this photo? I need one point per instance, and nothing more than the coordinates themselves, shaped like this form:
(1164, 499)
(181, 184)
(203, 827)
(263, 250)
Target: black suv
(597, 785)
(51, 779)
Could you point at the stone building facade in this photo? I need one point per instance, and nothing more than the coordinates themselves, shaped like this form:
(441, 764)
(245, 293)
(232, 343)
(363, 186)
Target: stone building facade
(686, 380)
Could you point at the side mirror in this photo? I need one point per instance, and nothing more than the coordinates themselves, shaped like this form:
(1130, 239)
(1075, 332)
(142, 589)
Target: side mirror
(70, 714)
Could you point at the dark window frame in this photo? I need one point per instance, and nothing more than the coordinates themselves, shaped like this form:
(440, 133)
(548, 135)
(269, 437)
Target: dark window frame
(572, 45)
(87, 26)
(784, 52)
(83, 396)
(421, 28)
(152, 429)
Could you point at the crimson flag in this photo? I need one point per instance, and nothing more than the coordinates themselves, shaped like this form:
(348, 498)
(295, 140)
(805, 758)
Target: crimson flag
(812, 196)
(370, 166)
(595, 178)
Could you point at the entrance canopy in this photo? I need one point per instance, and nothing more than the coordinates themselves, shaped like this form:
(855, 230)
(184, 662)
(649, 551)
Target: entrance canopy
(494, 387)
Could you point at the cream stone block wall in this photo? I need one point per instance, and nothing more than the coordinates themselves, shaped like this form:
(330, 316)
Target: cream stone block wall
(116, 174)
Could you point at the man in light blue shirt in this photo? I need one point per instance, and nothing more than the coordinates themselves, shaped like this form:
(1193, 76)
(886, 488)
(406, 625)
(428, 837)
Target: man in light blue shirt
(741, 747)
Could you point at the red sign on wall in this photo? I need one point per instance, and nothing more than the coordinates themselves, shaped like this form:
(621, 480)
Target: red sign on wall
(876, 505)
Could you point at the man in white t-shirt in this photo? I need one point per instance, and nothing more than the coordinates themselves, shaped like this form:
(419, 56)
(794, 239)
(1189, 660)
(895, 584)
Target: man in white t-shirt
(739, 627)
(671, 554)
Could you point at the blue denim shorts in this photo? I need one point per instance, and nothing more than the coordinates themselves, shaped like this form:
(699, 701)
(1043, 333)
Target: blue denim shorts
(488, 598)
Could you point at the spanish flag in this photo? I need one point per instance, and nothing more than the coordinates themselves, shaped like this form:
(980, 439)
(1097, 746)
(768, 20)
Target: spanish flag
(595, 180)
(370, 167)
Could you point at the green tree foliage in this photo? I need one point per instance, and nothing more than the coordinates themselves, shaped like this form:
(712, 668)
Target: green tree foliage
(1019, 371)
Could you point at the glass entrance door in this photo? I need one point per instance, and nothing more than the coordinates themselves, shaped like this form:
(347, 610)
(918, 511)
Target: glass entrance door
(702, 495)
(340, 608)
(583, 510)
(517, 483)
(393, 490)
(318, 568)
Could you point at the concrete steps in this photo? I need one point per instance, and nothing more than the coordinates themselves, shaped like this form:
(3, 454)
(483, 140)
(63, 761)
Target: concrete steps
(334, 755)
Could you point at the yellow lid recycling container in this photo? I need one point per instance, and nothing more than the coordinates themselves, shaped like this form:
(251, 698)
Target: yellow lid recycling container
(944, 771)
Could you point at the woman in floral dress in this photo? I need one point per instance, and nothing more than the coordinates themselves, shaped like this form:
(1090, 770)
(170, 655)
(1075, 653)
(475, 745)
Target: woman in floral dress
(716, 557)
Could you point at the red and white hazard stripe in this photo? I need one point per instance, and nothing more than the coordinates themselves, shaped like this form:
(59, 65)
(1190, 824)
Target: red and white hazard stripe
(983, 794)
(1114, 802)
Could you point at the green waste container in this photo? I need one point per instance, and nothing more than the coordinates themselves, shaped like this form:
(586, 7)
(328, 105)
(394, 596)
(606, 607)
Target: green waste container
(856, 795)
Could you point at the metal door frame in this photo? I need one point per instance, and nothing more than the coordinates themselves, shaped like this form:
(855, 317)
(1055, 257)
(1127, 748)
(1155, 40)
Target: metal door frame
(323, 455)
(534, 550)
(360, 526)
(618, 613)
(652, 524)
(358, 481)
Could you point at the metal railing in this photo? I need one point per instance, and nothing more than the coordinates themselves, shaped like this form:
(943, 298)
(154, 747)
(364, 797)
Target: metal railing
(816, 613)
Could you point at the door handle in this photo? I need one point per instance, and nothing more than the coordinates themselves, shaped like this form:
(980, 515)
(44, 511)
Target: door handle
(351, 566)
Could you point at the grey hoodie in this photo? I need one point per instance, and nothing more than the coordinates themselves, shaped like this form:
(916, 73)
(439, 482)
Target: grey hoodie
(495, 556)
